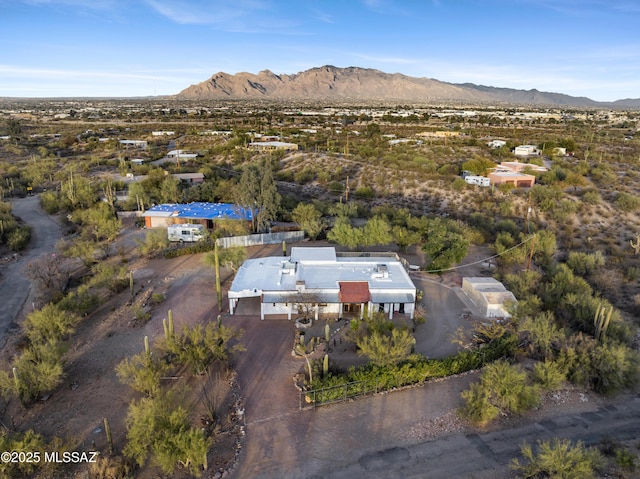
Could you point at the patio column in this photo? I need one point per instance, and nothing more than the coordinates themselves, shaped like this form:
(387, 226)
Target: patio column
(261, 310)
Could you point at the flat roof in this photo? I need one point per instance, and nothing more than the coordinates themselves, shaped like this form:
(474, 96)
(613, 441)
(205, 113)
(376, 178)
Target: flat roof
(322, 272)
(200, 210)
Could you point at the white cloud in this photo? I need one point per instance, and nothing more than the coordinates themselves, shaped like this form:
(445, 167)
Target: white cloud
(239, 16)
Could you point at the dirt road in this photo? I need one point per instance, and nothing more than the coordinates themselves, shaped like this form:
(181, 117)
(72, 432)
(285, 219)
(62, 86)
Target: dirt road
(15, 288)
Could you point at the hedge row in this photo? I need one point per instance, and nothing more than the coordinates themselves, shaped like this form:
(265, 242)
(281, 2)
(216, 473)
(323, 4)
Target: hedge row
(415, 370)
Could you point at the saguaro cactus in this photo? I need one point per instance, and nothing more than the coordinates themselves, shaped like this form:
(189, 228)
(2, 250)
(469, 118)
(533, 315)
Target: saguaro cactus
(107, 430)
(636, 245)
(601, 322)
(325, 365)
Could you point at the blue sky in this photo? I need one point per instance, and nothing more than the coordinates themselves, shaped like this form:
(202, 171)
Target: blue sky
(53, 48)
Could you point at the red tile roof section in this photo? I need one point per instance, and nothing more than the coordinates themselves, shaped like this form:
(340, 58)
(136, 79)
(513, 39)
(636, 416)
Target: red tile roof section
(354, 292)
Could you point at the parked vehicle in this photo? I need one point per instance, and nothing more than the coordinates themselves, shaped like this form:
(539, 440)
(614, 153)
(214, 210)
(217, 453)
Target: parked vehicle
(186, 233)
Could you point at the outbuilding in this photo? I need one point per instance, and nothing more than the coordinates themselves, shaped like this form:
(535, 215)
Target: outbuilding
(488, 295)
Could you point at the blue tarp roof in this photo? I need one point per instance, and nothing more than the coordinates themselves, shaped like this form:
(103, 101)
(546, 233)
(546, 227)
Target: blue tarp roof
(203, 211)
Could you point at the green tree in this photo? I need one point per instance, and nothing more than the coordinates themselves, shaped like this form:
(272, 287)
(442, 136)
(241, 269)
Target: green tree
(444, 244)
(257, 193)
(309, 218)
(155, 241)
(387, 349)
(198, 346)
(50, 323)
(99, 222)
(376, 231)
(159, 428)
(478, 166)
(142, 372)
(558, 459)
(344, 234)
(404, 237)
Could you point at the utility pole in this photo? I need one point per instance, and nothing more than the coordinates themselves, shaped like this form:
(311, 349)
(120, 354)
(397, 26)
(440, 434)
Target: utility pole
(533, 243)
(346, 191)
(526, 220)
(346, 149)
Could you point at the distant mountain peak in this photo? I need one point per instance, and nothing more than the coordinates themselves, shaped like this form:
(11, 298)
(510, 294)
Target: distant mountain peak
(329, 82)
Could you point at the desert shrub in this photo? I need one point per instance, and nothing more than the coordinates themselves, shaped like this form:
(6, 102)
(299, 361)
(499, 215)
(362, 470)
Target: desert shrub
(549, 375)
(626, 202)
(51, 323)
(509, 387)
(115, 467)
(142, 372)
(559, 459)
(50, 202)
(477, 406)
(18, 239)
(540, 336)
(30, 442)
(159, 429)
(154, 241)
(592, 197)
(198, 346)
(585, 263)
(36, 371)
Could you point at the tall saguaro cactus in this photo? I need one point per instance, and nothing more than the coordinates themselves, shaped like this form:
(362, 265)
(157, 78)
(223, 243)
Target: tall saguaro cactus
(601, 321)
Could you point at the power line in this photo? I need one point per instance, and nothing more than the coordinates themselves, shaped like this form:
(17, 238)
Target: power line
(481, 260)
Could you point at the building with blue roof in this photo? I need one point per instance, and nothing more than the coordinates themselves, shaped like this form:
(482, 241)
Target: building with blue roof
(199, 213)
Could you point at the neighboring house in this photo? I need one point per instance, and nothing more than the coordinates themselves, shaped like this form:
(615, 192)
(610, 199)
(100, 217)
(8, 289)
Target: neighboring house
(134, 144)
(199, 213)
(321, 281)
(559, 151)
(272, 145)
(526, 150)
(519, 180)
(477, 180)
(191, 178)
(439, 134)
(519, 167)
(488, 295)
(181, 154)
(496, 143)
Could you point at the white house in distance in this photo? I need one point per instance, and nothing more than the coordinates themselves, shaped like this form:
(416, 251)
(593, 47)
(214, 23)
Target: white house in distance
(526, 150)
(181, 154)
(333, 283)
(489, 295)
(496, 143)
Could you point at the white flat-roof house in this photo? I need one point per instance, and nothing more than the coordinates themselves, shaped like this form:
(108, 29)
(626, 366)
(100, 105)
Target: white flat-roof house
(331, 282)
(526, 150)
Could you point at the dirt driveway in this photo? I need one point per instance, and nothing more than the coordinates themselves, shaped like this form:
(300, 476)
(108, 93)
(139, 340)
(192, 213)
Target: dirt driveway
(15, 288)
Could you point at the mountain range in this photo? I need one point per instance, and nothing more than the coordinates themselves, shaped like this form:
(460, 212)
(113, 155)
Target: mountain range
(366, 84)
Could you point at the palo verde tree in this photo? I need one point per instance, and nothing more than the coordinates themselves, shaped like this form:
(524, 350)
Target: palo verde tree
(159, 429)
(381, 341)
(309, 218)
